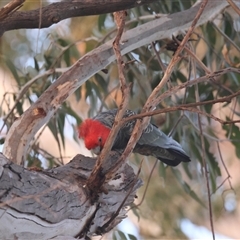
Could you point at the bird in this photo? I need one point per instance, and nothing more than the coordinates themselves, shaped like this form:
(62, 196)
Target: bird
(94, 132)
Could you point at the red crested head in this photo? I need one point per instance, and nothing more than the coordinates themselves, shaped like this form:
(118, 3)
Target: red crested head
(94, 133)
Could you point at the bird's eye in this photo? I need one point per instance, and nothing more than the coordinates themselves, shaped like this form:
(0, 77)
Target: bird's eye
(99, 139)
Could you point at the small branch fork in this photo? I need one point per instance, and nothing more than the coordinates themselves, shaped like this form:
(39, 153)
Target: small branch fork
(119, 18)
(153, 99)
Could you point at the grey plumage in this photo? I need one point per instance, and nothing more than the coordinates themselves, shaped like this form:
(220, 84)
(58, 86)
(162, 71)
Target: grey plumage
(152, 142)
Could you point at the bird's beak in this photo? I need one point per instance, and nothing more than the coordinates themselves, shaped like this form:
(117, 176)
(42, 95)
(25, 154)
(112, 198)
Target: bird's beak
(96, 150)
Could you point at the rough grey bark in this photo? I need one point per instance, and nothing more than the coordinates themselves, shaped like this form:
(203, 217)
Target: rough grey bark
(52, 203)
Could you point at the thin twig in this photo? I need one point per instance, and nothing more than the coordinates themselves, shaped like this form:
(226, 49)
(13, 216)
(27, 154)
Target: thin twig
(120, 18)
(206, 177)
(176, 124)
(210, 136)
(64, 49)
(153, 100)
(206, 69)
(225, 167)
(204, 161)
(146, 188)
(23, 91)
(160, 62)
(194, 82)
(110, 92)
(225, 36)
(212, 80)
(184, 97)
(231, 122)
(188, 107)
(55, 159)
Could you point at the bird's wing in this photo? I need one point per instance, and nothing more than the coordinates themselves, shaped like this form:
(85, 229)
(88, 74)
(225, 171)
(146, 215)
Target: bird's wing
(154, 142)
(155, 137)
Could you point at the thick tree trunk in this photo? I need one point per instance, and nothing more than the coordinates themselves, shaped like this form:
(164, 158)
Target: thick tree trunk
(59, 202)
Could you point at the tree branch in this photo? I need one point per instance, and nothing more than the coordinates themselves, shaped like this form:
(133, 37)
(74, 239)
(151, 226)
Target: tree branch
(120, 22)
(51, 203)
(58, 11)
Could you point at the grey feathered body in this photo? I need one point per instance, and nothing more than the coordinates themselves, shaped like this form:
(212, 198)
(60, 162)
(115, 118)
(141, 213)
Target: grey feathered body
(152, 142)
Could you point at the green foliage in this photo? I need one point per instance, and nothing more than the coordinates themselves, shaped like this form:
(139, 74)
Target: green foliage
(101, 22)
(12, 68)
(119, 235)
(186, 186)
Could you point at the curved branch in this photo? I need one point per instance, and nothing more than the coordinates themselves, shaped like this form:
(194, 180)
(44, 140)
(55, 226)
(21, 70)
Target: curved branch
(56, 12)
(24, 128)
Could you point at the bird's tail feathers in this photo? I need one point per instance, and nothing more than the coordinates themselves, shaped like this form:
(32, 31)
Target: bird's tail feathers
(171, 157)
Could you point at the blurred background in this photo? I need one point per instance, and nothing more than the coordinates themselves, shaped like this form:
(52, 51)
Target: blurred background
(174, 205)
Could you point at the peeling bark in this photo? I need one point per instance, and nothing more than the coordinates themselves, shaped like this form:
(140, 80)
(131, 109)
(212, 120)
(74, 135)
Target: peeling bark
(53, 203)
